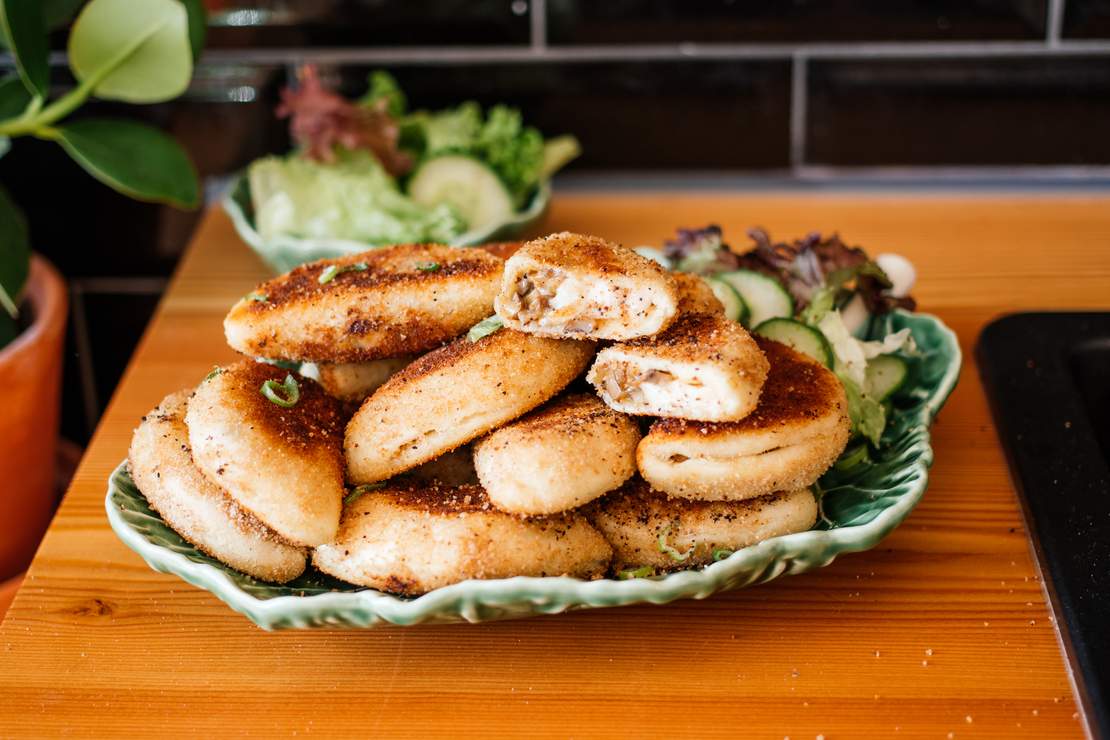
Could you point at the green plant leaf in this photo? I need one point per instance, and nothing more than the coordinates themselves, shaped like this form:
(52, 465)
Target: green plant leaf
(57, 13)
(21, 21)
(5, 145)
(198, 26)
(132, 51)
(132, 158)
(15, 254)
(14, 97)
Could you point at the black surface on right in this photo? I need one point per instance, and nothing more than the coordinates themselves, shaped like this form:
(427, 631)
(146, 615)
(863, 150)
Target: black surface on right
(1047, 376)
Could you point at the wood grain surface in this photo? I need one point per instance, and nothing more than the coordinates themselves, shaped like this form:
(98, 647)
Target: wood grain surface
(942, 631)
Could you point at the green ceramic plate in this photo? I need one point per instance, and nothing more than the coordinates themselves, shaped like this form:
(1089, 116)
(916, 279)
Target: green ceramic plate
(284, 253)
(860, 507)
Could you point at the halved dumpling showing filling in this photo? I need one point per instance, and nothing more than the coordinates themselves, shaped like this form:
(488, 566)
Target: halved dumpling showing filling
(568, 285)
(703, 368)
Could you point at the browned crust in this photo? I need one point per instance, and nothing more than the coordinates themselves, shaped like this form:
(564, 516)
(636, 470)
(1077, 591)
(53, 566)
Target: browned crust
(636, 501)
(695, 295)
(365, 315)
(568, 415)
(315, 422)
(509, 340)
(690, 336)
(798, 390)
(571, 251)
(394, 266)
(434, 498)
(170, 413)
(504, 250)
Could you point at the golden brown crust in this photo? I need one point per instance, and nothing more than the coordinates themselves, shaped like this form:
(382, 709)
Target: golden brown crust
(454, 395)
(410, 538)
(436, 497)
(314, 423)
(558, 457)
(797, 430)
(704, 367)
(284, 465)
(584, 287)
(588, 254)
(695, 295)
(201, 512)
(503, 250)
(797, 391)
(635, 517)
(411, 298)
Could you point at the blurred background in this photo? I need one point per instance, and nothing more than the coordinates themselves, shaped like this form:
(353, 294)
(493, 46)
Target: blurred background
(708, 93)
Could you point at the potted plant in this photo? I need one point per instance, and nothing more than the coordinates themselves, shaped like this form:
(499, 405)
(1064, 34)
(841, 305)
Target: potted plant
(137, 51)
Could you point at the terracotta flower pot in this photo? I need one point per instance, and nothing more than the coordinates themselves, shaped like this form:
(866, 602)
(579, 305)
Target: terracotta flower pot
(30, 376)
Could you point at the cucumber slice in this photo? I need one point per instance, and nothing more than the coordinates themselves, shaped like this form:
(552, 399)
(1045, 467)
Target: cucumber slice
(885, 375)
(799, 336)
(765, 296)
(735, 308)
(472, 188)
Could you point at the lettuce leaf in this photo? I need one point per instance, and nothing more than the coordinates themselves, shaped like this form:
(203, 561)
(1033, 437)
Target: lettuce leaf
(851, 357)
(383, 86)
(352, 197)
(513, 150)
(867, 415)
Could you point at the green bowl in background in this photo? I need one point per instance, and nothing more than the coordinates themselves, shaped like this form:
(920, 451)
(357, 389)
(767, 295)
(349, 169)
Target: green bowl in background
(860, 508)
(284, 253)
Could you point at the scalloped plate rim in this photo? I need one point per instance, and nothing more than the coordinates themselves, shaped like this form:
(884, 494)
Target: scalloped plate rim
(569, 592)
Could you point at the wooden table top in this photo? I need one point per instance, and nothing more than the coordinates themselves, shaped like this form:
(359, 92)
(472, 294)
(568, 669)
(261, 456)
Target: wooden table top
(941, 631)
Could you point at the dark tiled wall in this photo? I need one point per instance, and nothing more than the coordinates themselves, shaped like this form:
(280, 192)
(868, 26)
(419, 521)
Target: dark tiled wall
(765, 21)
(1087, 19)
(784, 88)
(998, 111)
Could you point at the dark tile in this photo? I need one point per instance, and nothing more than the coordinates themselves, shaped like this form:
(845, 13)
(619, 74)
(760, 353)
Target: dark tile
(672, 21)
(74, 421)
(1087, 19)
(368, 23)
(115, 324)
(643, 115)
(960, 112)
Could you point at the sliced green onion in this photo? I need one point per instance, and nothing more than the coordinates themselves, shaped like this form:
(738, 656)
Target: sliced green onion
(292, 392)
(721, 553)
(258, 297)
(216, 370)
(676, 556)
(428, 266)
(357, 491)
(484, 328)
(644, 571)
(331, 272)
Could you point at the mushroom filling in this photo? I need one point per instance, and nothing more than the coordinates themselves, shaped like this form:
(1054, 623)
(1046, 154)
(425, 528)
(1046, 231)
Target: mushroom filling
(626, 383)
(531, 299)
(549, 298)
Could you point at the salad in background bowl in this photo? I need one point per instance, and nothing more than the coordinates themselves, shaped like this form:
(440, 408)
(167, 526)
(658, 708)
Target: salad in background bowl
(370, 173)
